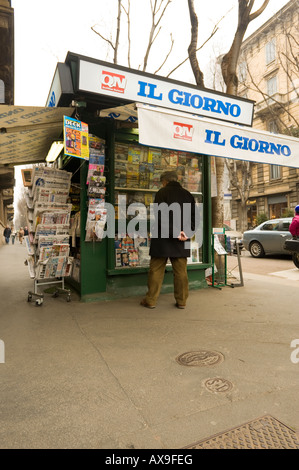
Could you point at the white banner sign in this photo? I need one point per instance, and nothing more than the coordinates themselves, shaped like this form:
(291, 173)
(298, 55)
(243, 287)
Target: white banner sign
(125, 84)
(163, 128)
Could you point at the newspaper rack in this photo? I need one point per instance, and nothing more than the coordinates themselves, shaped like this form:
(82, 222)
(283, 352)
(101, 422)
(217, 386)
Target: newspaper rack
(53, 270)
(48, 216)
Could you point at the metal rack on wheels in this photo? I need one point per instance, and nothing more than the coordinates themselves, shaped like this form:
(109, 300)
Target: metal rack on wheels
(38, 282)
(48, 215)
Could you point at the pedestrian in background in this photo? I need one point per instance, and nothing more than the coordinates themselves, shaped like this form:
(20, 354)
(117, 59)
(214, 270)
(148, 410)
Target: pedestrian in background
(21, 235)
(6, 234)
(13, 236)
(294, 227)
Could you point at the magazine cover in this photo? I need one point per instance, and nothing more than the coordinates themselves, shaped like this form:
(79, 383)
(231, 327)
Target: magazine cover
(133, 257)
(140, 241)
(95, 230)
(146, 173)
(97, 185)
(95, 206)
(121, 151)
(60, 249)
(125, 258)
(45, 252)
(155, 182)
(154, 156)
(120, 174)
(117, 243)
(96, 166)
(169, 158)
(118, 252)
(132, 175)
(96, 144)
(76, 138)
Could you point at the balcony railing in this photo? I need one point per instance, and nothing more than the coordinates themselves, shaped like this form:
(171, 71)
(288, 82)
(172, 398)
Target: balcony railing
(276, 101)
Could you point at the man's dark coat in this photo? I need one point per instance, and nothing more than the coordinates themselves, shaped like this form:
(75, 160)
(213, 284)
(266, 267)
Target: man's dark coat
(171, 246)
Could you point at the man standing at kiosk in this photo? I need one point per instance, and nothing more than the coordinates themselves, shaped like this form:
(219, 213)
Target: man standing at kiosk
(175, 223)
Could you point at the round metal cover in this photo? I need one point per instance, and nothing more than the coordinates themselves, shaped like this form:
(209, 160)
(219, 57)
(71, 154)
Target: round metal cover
(200, 358)
(218, 384)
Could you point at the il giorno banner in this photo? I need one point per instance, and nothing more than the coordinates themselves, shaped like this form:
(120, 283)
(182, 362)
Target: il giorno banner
(159, 127)
(127, 85)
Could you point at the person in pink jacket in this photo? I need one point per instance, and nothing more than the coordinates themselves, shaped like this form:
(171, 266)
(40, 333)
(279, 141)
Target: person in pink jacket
(294, 226)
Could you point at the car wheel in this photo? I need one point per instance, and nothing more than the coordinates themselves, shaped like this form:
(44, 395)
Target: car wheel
(256, 250)
(295, 258)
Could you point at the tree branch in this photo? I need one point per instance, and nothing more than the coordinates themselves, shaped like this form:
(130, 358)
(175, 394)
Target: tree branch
(105, 39)
(152, 36)
(117, 33)
(254, 15)
(171, 47)
(128, 12)
(230, 60)
(199, 79)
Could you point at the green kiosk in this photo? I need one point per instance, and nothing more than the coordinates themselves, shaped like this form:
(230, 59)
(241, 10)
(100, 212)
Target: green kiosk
(139, 125)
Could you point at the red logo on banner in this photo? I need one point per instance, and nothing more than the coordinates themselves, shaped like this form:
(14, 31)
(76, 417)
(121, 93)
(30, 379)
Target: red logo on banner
(182, 131)
(113, 82)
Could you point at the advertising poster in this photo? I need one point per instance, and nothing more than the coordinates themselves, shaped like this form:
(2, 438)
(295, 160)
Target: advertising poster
(75, 138)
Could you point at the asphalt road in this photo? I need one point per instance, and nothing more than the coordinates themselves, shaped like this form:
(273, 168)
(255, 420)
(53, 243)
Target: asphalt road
(263, 266)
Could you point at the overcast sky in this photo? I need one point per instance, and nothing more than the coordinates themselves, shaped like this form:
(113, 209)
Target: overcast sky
(46, 31)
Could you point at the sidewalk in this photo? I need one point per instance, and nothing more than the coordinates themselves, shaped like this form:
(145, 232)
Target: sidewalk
(104, 375)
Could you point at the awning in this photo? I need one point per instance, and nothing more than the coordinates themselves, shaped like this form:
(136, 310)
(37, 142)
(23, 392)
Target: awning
(27, 133)
(165, 128)
(123, 113)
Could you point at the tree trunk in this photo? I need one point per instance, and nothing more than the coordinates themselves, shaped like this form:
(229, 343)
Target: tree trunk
(198, 75)
(218, 201)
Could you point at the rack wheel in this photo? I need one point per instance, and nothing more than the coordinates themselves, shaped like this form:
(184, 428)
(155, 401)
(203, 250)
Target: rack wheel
(38, 302)
(29, 298)
(68, 299)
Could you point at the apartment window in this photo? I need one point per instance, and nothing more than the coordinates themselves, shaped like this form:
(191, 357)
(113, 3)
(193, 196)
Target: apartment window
(275, 172)
(242, 71)
(272, 86)
(272, 127)
(270, 51)
(2, 92)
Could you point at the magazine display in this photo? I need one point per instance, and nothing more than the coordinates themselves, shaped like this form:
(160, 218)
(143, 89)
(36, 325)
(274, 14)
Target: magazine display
(96, 190)
(131, 252)
(138, 171)
(48, 215)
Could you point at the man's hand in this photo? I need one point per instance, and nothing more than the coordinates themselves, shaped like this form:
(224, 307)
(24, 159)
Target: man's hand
(182, 237)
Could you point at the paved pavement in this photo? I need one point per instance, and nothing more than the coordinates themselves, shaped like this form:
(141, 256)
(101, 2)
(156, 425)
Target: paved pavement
(104, 375)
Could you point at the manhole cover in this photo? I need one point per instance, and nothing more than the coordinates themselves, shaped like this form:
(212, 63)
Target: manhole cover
(200, 358)
(262, 433)
(218, 384)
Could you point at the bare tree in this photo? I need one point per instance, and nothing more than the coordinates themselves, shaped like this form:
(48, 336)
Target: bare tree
(158, 9)
(230, 60)
(240, 179)
(228, 64)
(197, 72)
(229, 72)
(114, 45)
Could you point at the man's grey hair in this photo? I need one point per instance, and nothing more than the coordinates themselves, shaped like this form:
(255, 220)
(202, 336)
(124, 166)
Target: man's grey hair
(169, 176)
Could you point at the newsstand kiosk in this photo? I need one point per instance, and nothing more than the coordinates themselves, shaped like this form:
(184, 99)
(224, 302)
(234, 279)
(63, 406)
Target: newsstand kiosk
(139, 125)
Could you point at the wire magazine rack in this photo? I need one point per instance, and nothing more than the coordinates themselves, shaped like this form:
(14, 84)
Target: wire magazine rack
(48, 219)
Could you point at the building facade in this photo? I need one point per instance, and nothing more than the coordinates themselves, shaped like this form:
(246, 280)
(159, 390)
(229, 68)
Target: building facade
(269, 75)
(6, 97)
